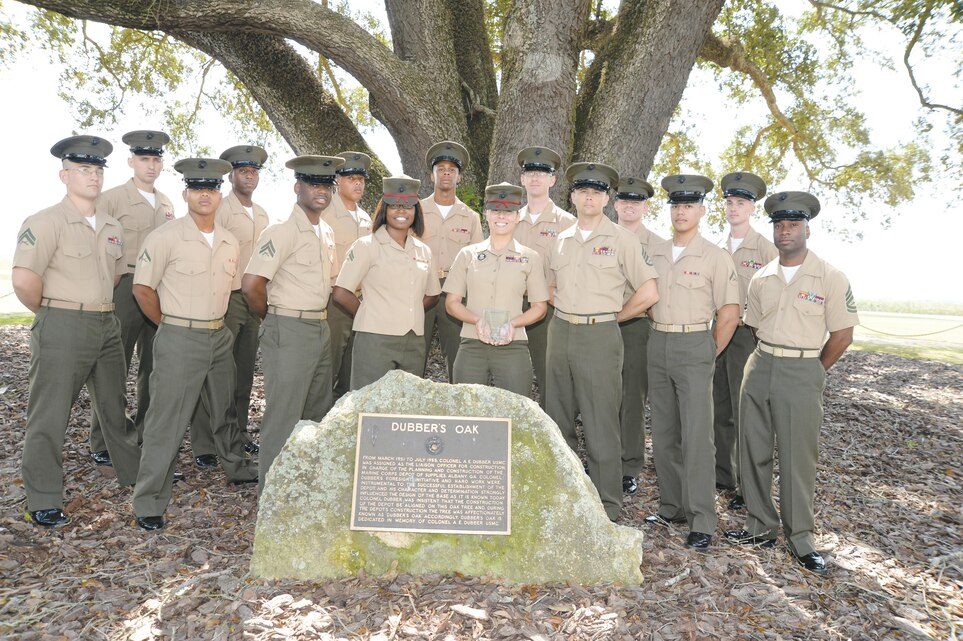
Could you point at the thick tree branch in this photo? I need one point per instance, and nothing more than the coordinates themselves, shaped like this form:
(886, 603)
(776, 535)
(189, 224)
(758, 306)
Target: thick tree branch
(909, 67)
(597, 34)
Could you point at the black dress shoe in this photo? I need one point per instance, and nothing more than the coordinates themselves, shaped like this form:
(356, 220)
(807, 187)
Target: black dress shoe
(743, 537)
(50, 518)
(102, 458)
(658, 519)
(698, 540)
(724, 488)
(178, 477)
(150, 522)
(629, 485)
(737, 502)
(242, 481)
(206, 461)
(814, 562)
(252, 448)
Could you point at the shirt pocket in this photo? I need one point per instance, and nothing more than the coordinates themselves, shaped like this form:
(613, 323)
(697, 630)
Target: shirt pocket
(115, 251)
(693, 281)
(808, 308)
(600, 261)
(308, 257)
(77, 252)
(458, 234)
(190, 268)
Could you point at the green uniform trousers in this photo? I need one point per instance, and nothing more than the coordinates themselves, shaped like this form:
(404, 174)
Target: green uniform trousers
(726, 385)
(509, 366)
(680, 397)
(374, 355)
(135, 331)
(296, 356)
(635, 383)
(339, 324)
(189, 364)
(781, 405)
(67, 350)
(585, 375)
(538, 347)
(449, 334)
(243, 325)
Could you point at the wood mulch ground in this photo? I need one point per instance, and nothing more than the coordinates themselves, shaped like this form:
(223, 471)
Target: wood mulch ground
(889, 515)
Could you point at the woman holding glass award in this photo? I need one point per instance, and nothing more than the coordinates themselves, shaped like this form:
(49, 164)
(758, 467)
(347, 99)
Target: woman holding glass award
(494, 275)
(398, 281)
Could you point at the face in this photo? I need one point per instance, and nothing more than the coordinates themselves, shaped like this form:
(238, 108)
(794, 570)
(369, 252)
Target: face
(589, 201)
(351, 187)
(203, 202)
(790, 235)
(537, 183)
(311, 197)
(244, 180)
(146, 168)
(738, 210)
(400, 217)
(82, 180)
(686, 216)
(501, 223)
(630, 211)
(445, 175)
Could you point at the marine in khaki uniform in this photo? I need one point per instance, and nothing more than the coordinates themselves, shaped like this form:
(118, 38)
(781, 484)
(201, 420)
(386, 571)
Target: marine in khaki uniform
(140, 209)
(398, 279)
(288, 282)
(240, 215)
(540, 222)
(750, 251)
(495, 276)
(184, 277)
(697, 282)
(631, 205)
(68, 259)
(349, 222)
(450, 225)
(793, 303)
(591, 264)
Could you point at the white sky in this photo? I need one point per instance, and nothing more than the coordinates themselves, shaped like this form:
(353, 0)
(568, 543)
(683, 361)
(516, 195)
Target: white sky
(914, 260)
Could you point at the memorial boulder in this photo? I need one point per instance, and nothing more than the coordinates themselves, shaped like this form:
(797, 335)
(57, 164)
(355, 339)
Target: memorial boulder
(558, 529)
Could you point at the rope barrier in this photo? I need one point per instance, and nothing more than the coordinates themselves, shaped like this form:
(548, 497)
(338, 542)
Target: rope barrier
(942, 331)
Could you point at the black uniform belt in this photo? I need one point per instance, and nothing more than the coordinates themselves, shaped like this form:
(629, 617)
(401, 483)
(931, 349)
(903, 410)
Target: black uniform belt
(97, 308)
(191, 323)
(297, 313)
(788, 352)
(584, 319)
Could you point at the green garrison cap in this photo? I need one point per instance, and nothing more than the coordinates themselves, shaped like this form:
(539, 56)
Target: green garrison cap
(539, 159)
(447, 150)
(202, 173)
(89, 150)
(317, 170)
(632, 188)
(791, 205)
(145, 142)
(744, 185)
(245, 156)
(591, 174)
(503, 197)
(400, 190)
(686, 188)
(355, 164)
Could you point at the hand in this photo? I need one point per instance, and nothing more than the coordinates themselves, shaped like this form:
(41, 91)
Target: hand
(482, 331)
(505, 335)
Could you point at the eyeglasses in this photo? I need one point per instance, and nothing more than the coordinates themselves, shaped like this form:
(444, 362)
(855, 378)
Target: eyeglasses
(87, 171)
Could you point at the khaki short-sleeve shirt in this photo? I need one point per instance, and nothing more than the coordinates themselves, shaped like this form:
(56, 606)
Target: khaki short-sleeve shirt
(646, 238)
(137, 216)
(76, 263)
(394, 281)
(232, 215)
(800, 313)
(693, 288)
(296, 262)
(193, 279)
(590, 276)
(541, 234)
(446, 236)
(346, 229)
(753, 253)
(497, 280)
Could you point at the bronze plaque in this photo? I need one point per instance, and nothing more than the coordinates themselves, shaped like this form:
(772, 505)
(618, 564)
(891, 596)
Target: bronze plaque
(445, 474)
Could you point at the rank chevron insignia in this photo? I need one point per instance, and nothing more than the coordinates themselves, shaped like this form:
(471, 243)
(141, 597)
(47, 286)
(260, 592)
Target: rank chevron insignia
(645, 257)
(267, 249)
(850, 300)
(27, 238)
(144, 257)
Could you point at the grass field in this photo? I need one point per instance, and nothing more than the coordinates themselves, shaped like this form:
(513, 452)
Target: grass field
(931, 337)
